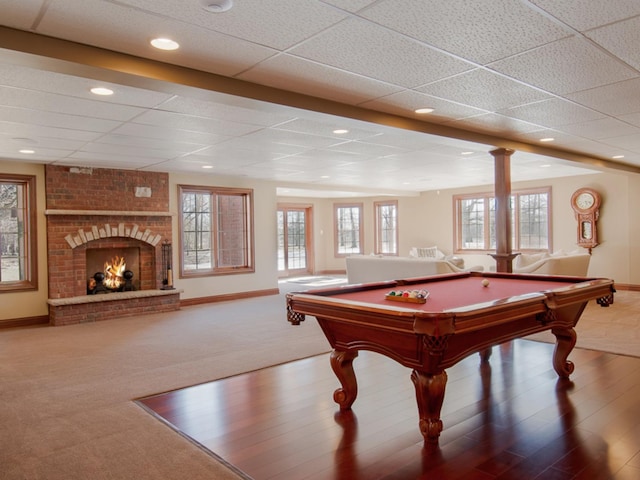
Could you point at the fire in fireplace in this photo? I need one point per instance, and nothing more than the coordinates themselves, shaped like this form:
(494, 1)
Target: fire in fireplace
(112, 270)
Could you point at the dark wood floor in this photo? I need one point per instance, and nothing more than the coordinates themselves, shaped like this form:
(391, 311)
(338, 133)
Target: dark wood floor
(509, 419)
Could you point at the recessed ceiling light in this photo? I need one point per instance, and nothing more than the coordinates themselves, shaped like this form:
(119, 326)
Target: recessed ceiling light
(422, 111)
(27, 151)
(466, 153)
(618, 156)
(101, 91)
(545, 165)
(325, 176)
(340, 131)
(207, 166)
(165, 44)
(217, 6)
(548, 139)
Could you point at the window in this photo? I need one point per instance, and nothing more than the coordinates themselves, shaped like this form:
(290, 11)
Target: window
(216, 228)
(386, 227)
(530, 222)
(18, 262)
(348, 229)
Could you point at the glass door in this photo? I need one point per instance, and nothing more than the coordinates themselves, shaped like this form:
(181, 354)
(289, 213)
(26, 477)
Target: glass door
(294, 240)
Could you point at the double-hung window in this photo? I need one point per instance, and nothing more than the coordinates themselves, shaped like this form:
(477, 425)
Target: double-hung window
(386, 227)
(216, 228)
(18, 262)
(530, 221)
(348, 229)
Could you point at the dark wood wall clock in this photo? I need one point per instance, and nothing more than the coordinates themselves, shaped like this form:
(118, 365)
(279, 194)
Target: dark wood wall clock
(586, 205)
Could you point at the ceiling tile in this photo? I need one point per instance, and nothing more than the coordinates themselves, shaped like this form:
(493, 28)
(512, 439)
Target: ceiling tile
(600, 129)
(129, 30)
(290, 21)
(494, 123)
(360, 47)
(303, 76)
(49, 119)
(627, 142)
(168, 134)
(565, 66)
(71, 86)
(194, 123)
(617, 99)
(583, 17)
(404, 104)
(23, 13)
(50, 102)
(481, 32)
(552, 113)
(484, 89)
(621, 39)
(221, 111)
(326, 128)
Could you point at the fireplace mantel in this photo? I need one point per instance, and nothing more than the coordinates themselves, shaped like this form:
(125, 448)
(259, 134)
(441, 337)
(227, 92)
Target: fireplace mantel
(114, 213)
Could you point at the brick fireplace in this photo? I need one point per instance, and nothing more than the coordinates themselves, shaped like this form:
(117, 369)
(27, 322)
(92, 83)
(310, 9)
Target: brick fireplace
(119, 210)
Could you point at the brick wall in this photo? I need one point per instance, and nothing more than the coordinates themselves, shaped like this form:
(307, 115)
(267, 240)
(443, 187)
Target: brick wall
(76, 188)
(120, 199)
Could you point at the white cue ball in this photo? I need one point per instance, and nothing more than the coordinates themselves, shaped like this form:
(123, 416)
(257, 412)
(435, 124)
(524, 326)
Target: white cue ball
(485, 282)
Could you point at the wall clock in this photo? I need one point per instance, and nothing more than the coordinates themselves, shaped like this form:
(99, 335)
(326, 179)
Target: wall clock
(586, 205)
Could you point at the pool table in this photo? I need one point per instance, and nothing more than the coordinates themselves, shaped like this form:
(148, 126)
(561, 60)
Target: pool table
(463, 313)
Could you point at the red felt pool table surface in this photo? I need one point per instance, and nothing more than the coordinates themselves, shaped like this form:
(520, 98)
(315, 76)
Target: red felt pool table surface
(453, 293)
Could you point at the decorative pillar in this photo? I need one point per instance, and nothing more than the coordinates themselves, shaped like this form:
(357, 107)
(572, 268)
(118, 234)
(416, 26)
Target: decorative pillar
(504, 254)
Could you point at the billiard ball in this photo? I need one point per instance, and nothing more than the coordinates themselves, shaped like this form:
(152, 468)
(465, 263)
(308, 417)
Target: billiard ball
(485, 282)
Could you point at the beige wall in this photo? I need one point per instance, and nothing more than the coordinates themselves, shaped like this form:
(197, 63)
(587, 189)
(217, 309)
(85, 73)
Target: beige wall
(266, 274)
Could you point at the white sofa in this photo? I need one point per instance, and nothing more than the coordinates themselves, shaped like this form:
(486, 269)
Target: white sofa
(373, 268)
(573, 264)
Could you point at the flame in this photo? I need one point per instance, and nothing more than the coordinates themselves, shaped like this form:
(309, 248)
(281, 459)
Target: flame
(113, 272)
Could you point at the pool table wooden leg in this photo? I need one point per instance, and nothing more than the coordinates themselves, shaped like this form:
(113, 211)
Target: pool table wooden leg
(342, 365)
(565, 341)
(430, 395)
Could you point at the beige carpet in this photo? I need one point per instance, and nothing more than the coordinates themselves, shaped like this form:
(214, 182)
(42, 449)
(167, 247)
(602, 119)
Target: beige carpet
(66, 409)
(614, 329)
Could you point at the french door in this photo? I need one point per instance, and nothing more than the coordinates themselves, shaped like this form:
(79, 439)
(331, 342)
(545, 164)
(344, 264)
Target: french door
(294, 240)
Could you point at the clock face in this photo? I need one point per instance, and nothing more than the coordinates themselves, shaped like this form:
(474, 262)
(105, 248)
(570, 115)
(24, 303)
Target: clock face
(585, 200)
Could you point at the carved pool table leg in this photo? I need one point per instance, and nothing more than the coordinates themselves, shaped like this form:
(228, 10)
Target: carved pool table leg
(342, 365)
(565, 341)
(430, 395)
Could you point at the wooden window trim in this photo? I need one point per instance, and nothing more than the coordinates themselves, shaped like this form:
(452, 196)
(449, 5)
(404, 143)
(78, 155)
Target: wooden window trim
(360, 207)
(31, 282)
(248, 225)
(377, 227)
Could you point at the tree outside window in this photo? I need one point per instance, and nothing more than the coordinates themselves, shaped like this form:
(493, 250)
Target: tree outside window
(18, 262)
(386, 227)
(216, 228)
(530, 221)
(348, 229)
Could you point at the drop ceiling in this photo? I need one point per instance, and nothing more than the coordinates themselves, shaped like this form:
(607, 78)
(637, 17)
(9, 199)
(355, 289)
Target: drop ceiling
(259, 90)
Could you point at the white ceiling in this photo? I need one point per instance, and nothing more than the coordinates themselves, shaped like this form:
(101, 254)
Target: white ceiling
(512, 71)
